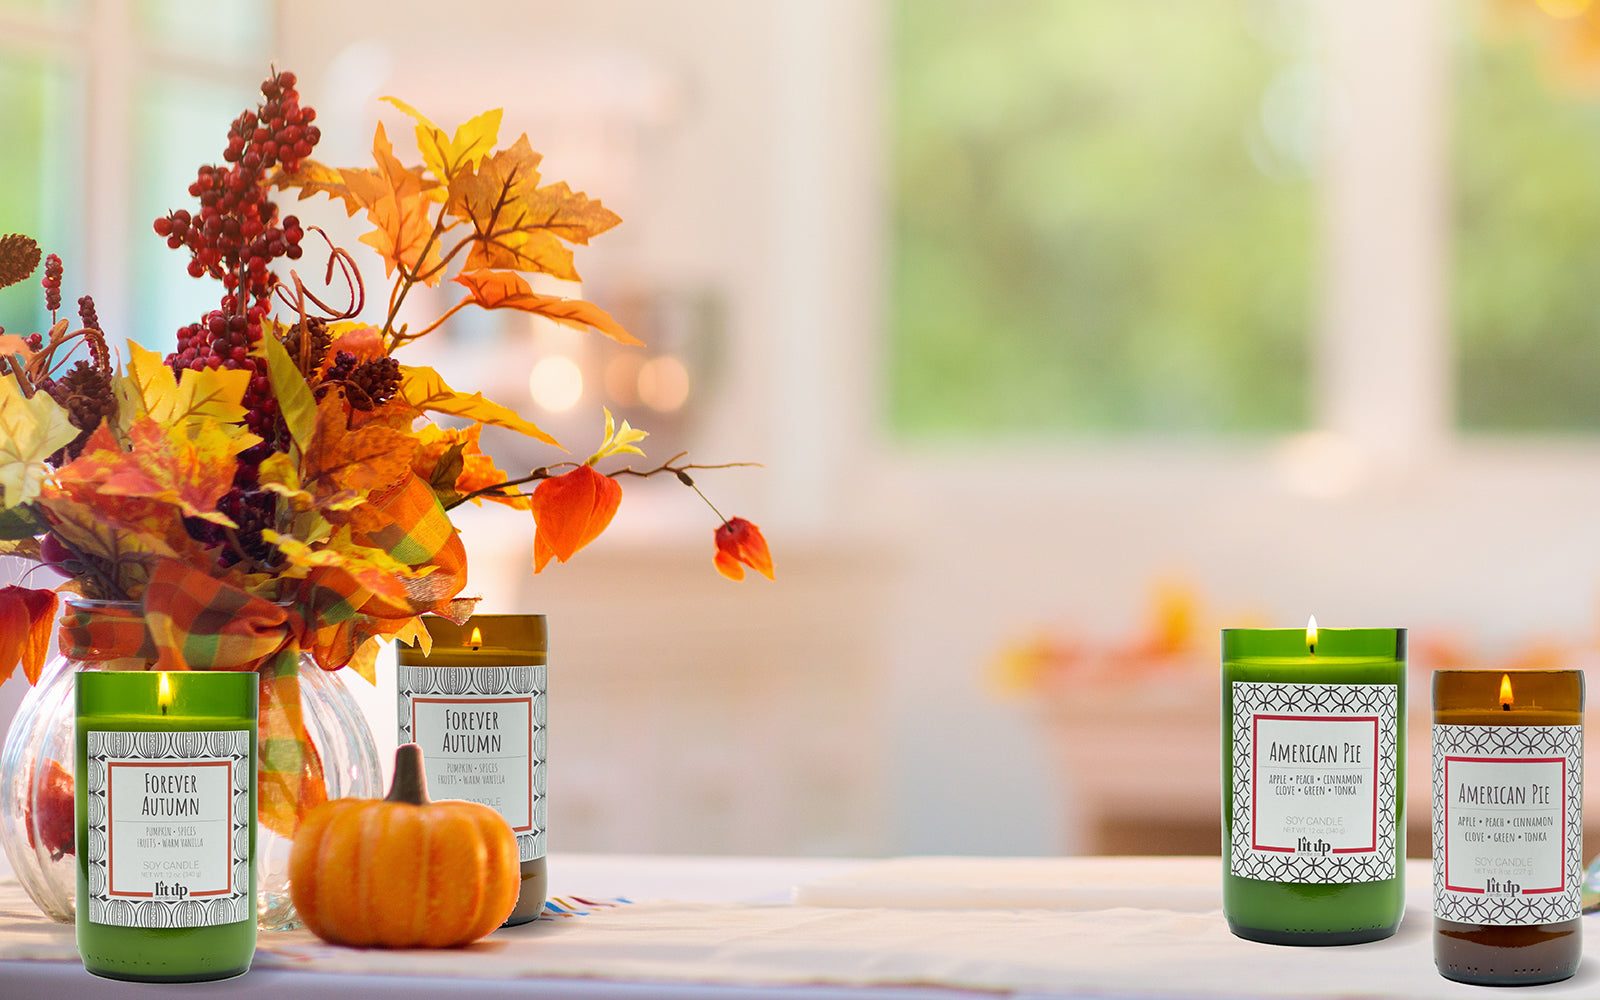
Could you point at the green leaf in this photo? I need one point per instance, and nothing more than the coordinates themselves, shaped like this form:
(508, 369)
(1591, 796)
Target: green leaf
(295, 401)
(21, 522)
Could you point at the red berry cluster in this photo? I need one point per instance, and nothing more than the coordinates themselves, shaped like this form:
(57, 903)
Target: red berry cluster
(87, 313)
(236, 235)
(52, 283)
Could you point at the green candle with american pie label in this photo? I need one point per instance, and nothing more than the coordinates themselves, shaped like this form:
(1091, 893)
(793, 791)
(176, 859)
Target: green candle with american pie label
(475, 703)
(1313, 772)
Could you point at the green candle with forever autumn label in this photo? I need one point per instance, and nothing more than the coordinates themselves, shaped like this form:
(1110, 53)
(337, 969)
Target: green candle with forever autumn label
(166, 821)
(1313, 768)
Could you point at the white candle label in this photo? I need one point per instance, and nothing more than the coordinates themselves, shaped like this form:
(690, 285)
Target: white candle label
(1314, 775)
(482, 734)
(1507, 824)
(169, 828)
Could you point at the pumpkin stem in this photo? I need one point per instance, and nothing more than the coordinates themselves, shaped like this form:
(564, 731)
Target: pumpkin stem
(410, 785)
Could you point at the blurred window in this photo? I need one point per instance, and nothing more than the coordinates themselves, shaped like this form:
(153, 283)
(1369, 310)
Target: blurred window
(1106, 218)
(1103, 216)
(108, 108)
(1527, 215)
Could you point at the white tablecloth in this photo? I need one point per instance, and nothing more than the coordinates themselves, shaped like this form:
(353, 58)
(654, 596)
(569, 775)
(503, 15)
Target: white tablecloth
(722, 928)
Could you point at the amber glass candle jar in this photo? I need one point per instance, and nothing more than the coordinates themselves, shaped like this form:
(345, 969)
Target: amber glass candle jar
(1507, 825)
(475, 704)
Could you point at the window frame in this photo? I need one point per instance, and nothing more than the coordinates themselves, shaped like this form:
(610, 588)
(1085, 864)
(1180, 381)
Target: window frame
(102, 42)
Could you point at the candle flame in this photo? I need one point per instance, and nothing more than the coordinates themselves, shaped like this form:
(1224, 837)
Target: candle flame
(477, 638)
(1311, 634)
(163, 692)
(1505, 691)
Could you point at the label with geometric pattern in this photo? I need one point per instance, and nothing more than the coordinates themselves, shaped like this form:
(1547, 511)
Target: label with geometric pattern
(1314, 772)
(482, 734)
(1507, 824)
(168, 828)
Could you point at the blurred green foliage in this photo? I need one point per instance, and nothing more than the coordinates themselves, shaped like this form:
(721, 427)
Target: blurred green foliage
(37, 197)
(1525, 293)
(1102, 219)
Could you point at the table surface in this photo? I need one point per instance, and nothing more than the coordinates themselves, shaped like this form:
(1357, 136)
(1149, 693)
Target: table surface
(907, 929)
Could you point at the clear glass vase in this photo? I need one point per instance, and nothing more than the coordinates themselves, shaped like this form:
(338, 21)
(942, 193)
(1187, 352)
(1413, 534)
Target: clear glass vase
(36, 800)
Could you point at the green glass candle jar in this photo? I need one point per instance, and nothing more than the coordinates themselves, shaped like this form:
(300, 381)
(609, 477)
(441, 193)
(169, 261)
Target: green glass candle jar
(1507, 825)
(165, 778)
(475, 704)
(1313, 772)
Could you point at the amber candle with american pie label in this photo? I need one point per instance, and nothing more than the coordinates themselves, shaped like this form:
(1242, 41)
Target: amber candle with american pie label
(1507, 825)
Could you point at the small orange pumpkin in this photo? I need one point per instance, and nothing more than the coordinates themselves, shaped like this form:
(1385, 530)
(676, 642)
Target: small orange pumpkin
(403, 871)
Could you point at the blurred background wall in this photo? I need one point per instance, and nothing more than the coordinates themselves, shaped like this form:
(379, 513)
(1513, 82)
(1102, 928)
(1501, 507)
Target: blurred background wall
(1066, 333)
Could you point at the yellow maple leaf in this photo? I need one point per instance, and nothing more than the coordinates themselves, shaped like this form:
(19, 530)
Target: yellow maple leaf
(215, 394)
(516, 223)
(415, 632)
(445, 155)
(425, 390)
(509, 290)
(32, 428)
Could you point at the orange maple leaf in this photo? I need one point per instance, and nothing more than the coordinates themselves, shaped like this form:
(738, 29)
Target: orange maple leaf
(509, 290)
(367, 458)
(188, 467)
(455, 465)
(516, 223)
(395, 203)
(570, 511)
(318, 178)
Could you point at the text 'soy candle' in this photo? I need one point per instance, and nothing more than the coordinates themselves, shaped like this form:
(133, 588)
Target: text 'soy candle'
(166, 823)
(1507, 825)
(1313, 817)
(475, 704)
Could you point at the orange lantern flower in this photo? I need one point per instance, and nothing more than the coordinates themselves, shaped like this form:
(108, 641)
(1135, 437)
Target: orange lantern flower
(571, 511)
(25, 619)
(739, 541)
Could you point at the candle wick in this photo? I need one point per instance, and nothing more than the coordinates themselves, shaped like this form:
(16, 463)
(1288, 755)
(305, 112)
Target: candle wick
(1505, 707)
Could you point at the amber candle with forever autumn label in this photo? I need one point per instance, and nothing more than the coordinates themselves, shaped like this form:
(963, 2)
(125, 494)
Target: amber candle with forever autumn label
(1507, 825)
(475, 704)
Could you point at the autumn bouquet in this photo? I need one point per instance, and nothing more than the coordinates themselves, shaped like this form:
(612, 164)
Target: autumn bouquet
(274, 484)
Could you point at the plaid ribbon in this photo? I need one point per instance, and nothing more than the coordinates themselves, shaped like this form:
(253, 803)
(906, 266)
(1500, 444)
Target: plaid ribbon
(192, 621)
(412, 528)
